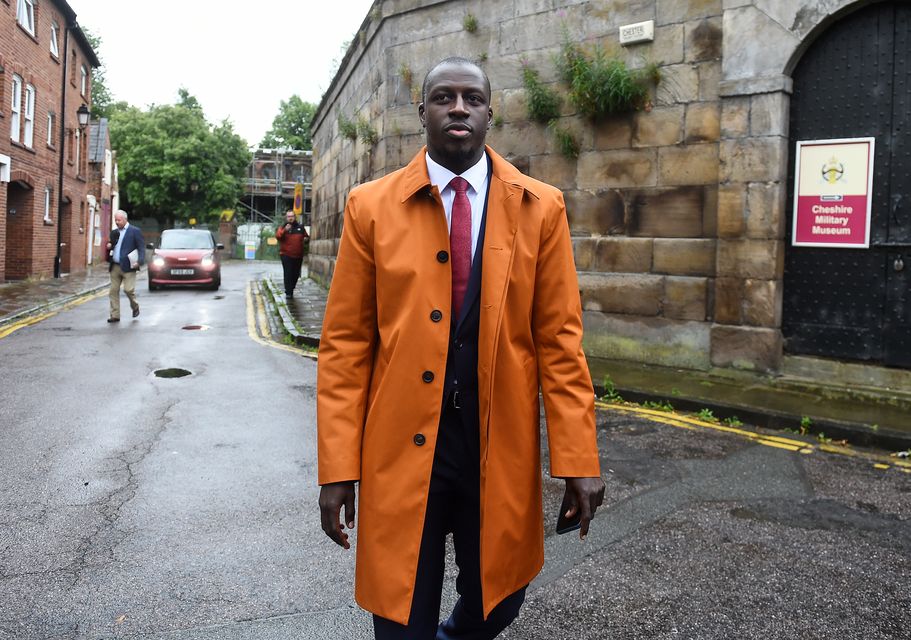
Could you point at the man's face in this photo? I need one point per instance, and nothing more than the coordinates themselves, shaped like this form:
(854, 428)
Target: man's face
(456, 114)
(289, 217)
(120, 221)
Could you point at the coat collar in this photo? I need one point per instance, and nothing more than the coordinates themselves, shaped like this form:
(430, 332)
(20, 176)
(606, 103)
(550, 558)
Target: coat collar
(416, 178)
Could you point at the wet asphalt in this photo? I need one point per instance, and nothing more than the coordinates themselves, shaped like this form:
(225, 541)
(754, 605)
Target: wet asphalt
(133, 506)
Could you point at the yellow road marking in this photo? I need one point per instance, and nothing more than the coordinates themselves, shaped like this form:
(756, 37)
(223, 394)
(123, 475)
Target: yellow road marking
(25, 322)
(256, 317)
(788, 444)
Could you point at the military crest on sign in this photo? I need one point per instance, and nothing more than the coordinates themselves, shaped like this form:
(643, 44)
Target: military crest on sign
(833, 171)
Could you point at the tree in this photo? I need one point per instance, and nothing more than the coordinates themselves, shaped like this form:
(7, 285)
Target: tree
(101, 95)
(173, 164)
(291, 127)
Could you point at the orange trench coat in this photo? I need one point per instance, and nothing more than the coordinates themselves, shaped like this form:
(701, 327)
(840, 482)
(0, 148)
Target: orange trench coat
(378, 340)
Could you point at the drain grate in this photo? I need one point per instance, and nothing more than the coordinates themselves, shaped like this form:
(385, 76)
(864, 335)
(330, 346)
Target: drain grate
(196, 327)
(172, 372)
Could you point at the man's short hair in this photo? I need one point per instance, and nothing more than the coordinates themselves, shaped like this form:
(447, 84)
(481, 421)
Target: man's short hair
(122, 213)
(455, 60)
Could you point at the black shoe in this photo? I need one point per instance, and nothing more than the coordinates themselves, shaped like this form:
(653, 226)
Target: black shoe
(136, 312)
(113, 319)
(289, 295)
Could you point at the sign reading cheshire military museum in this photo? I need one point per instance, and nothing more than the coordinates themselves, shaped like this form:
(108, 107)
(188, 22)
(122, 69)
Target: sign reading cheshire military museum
(833, 187)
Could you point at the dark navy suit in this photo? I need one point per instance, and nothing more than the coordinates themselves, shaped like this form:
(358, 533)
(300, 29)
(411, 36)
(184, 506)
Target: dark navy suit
(132, 240)
(453, 504)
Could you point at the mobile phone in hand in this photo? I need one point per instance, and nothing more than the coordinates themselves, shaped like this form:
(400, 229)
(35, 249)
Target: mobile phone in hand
(564, 524)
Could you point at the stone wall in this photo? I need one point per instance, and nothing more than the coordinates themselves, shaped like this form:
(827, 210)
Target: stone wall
(677, 211)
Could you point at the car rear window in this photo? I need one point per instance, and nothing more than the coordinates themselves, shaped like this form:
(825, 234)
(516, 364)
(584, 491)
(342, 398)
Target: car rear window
(177, 239)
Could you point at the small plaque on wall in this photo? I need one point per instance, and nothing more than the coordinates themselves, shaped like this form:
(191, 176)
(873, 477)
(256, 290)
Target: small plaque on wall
(639, 32)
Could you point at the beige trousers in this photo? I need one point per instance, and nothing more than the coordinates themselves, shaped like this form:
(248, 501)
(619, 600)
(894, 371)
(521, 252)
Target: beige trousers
(128, 280)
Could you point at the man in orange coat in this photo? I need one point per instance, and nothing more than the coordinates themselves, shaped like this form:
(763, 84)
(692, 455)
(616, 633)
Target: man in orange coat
(454, 299)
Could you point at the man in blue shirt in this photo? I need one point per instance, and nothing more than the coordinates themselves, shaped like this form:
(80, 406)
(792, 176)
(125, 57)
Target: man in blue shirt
(127, 254)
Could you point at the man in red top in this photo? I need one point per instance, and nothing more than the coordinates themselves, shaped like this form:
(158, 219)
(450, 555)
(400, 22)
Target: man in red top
(291, 238)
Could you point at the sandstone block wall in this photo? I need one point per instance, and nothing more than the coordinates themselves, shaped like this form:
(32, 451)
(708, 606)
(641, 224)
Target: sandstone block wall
(677, 211)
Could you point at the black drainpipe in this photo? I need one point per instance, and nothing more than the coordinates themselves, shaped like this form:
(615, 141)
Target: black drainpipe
(62, 145)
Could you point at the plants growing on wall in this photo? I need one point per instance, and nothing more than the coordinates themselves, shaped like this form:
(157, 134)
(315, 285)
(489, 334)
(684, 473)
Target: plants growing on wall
(543, 105)
(365, 131)
(470, 23)
(601, 84)
(347, 128)
(567, 143)
(542, 101)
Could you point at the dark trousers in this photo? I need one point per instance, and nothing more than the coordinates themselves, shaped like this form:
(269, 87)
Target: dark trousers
(453, 506)
(292, 270)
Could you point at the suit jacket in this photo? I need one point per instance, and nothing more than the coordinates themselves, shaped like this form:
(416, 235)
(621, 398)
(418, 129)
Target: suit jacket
(382, 365)
(132, 240)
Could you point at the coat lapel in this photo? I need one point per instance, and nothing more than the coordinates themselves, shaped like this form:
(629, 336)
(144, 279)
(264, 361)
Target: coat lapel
(503, 204)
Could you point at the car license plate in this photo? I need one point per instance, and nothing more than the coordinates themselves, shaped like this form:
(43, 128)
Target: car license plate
(181, 272)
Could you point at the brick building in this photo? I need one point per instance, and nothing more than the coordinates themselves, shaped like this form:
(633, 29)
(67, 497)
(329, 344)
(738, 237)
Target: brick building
(681, 213)
(46, 67)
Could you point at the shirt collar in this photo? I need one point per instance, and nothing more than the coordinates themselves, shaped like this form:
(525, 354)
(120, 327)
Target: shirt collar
(440, 176)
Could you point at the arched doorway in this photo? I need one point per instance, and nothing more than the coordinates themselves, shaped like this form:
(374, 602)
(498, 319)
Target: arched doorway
(855, 81)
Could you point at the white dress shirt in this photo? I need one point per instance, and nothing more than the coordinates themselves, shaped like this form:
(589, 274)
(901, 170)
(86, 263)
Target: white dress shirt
(476, 176)
(123, 233)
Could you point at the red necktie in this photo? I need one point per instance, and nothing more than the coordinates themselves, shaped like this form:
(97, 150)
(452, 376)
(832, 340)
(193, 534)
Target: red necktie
(460, 242)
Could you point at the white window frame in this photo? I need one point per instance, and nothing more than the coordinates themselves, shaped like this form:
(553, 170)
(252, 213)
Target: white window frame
(83, 80)
(16, 109)
(28, 137)
(108, 163)
(47, 204)
(50, 128)
(25, 15)
(55, 32)
(77, 141)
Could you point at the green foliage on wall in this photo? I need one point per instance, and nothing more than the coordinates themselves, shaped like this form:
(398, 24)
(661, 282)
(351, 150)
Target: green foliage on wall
(542, 101)
(601, 84)
(347, 128)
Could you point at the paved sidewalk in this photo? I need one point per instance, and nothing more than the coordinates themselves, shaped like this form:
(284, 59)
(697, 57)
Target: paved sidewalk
(27, 297)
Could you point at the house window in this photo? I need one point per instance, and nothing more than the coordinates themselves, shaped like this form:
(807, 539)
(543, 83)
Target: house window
(78, 145)
(29, 115)
(15, 109)
(83, 80)
(55, 30)
(25, 15)
(47, 204)
(50, 128)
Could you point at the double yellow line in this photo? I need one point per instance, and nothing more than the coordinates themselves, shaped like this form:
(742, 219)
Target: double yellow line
(788, 444)
(257, 325)
(30, 320)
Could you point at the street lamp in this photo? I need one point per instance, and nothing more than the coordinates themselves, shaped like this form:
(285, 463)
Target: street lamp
(83, 114)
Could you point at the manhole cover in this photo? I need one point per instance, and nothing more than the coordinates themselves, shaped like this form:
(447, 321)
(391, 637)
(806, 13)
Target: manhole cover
(171, 373)
(196, 327)
(219, 297)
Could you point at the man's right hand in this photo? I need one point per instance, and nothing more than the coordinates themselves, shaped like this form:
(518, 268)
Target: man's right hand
(331, 498)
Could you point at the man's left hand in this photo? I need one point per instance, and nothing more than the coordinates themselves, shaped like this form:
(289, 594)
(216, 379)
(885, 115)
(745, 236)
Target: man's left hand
(584, 495)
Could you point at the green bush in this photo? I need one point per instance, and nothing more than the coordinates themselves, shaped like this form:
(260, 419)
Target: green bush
(347, 128)
(542, 101)
(600, 84)
(566, 142)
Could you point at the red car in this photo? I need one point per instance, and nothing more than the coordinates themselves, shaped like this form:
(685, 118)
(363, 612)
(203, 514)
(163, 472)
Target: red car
(185, 257)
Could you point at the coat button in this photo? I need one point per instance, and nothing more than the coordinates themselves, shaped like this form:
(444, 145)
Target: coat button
(419, 439)
(427, 376)
(436, 315)
(442, 256)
